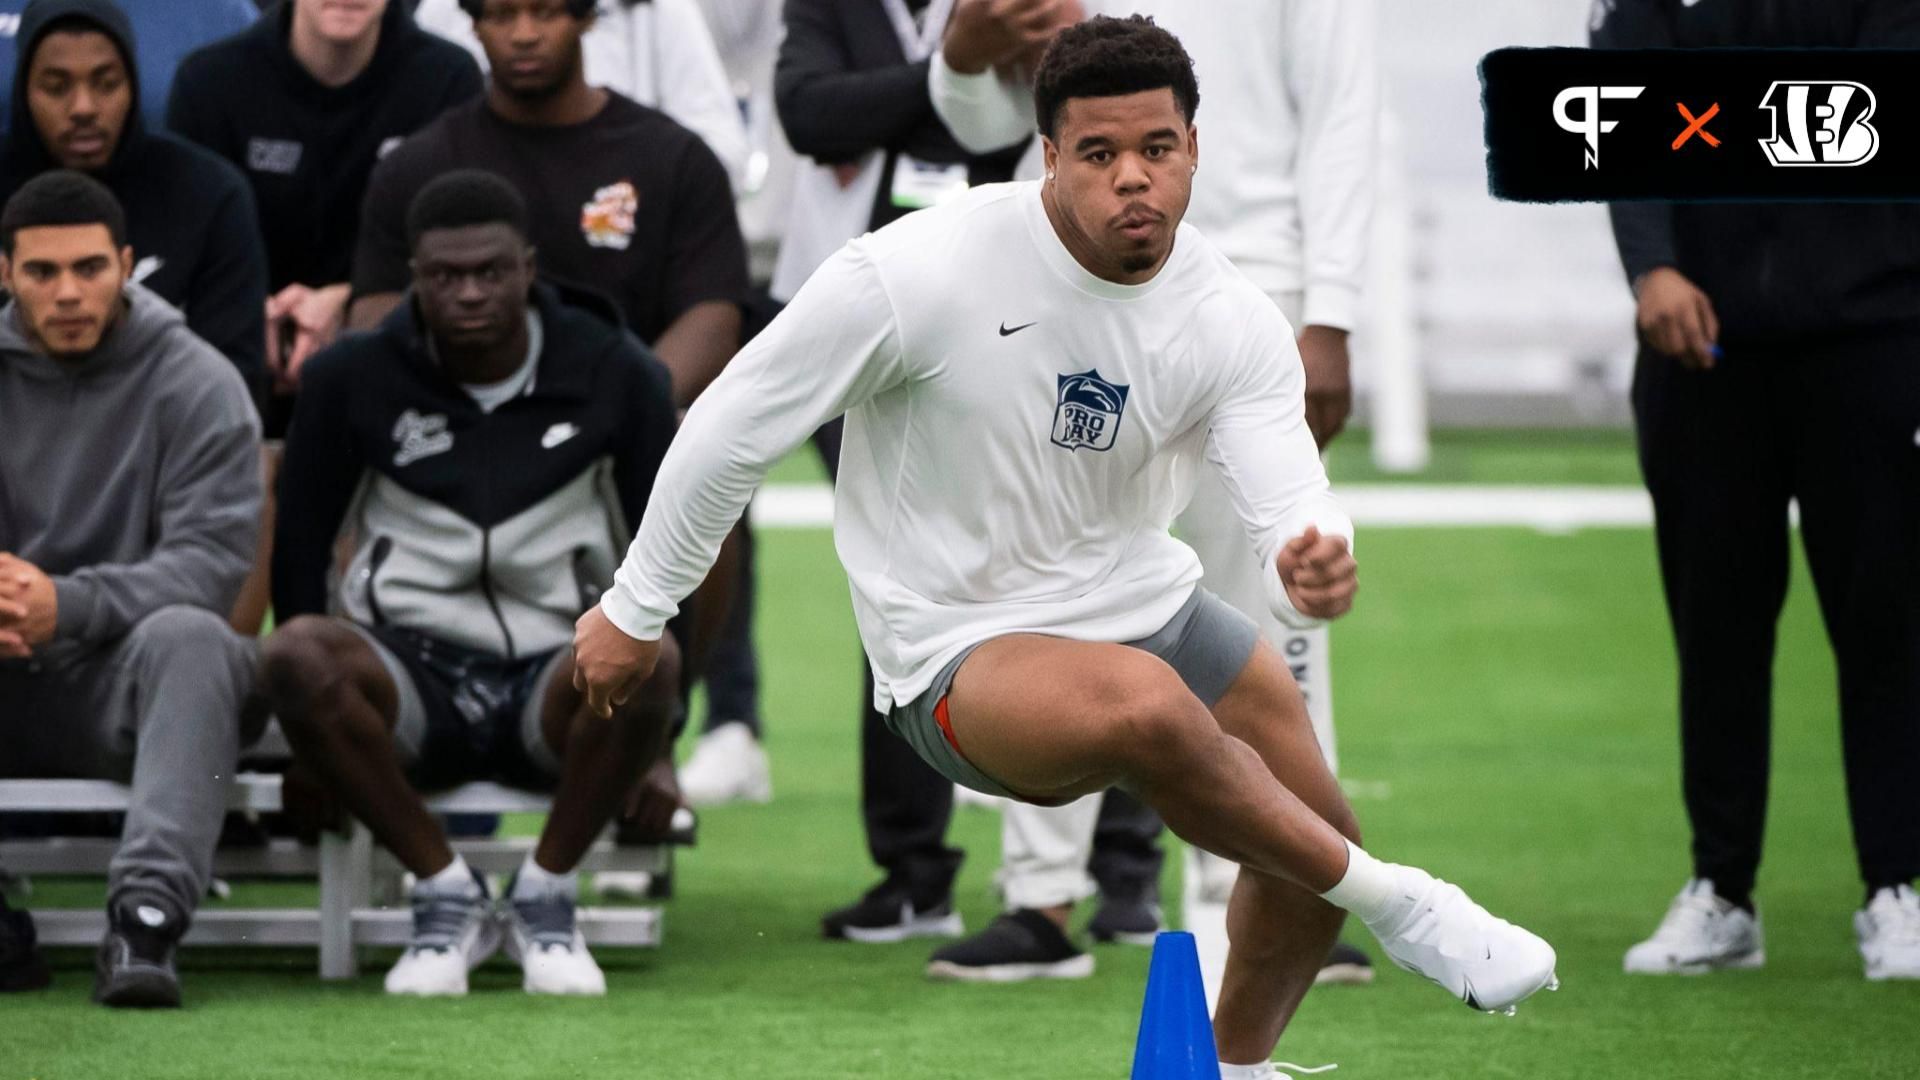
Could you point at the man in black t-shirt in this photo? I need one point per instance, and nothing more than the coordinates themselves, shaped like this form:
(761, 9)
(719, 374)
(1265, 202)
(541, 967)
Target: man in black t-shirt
(329, 92)
(623, 200)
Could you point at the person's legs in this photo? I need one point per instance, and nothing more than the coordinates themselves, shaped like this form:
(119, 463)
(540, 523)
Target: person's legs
(341, 707)
(1714, 457)
(186, 674)
(1858, 482)
(597, 757)
(1050, 719)
(905, 806)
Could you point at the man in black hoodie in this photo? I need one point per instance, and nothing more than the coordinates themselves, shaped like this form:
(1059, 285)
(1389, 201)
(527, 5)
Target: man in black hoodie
(487, 447)
(129, 496)
(330, 90)
(190, 217)
(1780, 359)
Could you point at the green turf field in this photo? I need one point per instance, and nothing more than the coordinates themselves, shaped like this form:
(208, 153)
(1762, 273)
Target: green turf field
(1504, 700)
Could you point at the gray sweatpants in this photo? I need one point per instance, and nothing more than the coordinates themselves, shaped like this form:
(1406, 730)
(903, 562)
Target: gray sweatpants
(158, 709)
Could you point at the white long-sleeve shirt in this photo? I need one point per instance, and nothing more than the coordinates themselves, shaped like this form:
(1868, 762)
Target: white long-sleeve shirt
(658, 53)
(1289, 108)
(1020, 434)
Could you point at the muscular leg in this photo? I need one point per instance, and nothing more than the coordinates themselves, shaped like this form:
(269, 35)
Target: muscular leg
(1055, 719)
(599, 757)
(1279, 932)
(338, 707)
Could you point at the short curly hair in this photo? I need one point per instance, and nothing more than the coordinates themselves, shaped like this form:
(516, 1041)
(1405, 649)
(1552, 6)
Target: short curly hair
(1108, 57)
(465, 197)
(579, 9)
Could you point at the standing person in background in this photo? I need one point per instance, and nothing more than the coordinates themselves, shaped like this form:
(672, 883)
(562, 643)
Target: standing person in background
(1287, 196)
(1777, 362)
(620, 198)
(190, 216)
(851, 85)
(166, 30)
(657, 52)
(330, 88)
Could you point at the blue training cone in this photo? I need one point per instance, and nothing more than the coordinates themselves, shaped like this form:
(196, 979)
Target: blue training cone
(1176, 1037)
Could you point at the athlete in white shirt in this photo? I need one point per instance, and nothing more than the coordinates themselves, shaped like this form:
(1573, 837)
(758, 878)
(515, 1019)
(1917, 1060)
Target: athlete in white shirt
(1030, 376)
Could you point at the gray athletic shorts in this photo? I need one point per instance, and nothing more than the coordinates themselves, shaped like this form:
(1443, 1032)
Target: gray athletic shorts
(1207, 643)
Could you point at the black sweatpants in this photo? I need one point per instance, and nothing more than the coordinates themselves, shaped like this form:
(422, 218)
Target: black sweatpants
(1834, 424)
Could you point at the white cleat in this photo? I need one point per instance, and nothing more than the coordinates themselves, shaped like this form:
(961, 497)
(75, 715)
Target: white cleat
(543, 935)
(1700, 933)
(453, 932)
(1889, 931)
(728, 765)
(1488, 963)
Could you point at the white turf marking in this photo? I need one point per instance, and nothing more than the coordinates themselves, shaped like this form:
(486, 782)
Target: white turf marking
(1554, 510)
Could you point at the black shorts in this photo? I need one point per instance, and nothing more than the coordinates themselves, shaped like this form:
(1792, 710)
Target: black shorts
(466, 715)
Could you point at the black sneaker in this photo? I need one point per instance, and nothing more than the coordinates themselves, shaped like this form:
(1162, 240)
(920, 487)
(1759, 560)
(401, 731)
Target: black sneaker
(1128, 920)
(21, 965)
(1020, 945)
(1346, 965)
(134, 967)
(887, 914)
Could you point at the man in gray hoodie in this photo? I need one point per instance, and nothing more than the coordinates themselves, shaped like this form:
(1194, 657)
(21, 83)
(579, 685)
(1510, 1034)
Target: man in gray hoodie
(129, 501)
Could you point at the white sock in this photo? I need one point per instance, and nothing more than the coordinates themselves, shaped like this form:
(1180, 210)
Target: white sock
(1367, 890)
(533, 880)
(1261, 1071)
(456, 875)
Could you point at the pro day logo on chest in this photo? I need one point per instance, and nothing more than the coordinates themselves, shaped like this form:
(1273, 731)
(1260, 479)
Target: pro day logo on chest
(1088, 410)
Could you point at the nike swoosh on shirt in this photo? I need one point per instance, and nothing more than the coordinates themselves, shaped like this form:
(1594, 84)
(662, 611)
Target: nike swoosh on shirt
(1005, 332)
(558, 434)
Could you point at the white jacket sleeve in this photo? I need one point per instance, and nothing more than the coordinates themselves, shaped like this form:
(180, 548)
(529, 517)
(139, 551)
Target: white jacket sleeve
(1258, 439)
(693, 85)
(983, 112)
(835, 346)
(1333, 77)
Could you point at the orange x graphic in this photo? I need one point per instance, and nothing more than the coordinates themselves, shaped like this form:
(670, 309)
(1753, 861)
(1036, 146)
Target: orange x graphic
(1697, 125)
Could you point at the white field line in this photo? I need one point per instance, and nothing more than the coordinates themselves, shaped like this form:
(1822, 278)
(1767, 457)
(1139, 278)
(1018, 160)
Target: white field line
(1547, 509)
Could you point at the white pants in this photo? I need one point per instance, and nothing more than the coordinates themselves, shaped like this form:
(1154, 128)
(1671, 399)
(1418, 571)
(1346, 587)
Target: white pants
(1044, 850)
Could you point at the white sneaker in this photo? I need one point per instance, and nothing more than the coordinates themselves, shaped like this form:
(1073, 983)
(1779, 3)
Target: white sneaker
(728, 765)
(1701, 933)
(453, 932)
(1889, 930)
(1488, 963)
(544, 936)
(623, 884)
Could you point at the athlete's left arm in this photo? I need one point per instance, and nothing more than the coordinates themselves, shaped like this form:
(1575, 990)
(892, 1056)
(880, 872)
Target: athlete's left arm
(1257, 437)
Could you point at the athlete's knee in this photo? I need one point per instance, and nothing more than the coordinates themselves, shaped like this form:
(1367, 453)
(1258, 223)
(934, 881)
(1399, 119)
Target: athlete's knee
(1156, 718)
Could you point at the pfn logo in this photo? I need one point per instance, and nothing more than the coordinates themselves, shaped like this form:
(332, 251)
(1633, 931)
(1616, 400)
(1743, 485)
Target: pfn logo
(1588, 124)
(1826, 124)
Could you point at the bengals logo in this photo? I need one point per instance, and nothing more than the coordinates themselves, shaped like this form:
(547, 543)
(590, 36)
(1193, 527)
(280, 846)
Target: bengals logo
(1820, 123)
(607, 219)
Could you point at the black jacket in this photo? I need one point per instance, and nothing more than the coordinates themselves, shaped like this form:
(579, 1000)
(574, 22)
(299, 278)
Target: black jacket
(843, 86)
(190, 217)
(491, 530)
(308, 149)
(1776, 270)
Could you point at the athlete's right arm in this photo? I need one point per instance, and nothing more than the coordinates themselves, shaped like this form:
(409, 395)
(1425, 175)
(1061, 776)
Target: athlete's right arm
(835, 346)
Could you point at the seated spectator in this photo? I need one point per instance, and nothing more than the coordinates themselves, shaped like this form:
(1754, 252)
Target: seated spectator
(657, 52)
(619, 196)
(129, 493)
(167, 31)
(330, 88)
(189, 214)
(487, 449)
